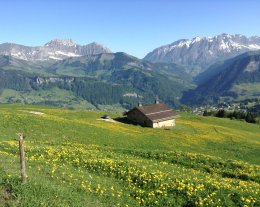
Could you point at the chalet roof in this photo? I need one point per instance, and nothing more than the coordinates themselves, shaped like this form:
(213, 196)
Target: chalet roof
(156, 112)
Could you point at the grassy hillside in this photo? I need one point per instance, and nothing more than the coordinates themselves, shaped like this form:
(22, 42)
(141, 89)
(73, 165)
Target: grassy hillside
(104, 79)
(54, 96)
(247, 90)
(74, 159)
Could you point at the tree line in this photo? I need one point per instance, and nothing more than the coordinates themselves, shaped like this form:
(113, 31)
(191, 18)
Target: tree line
(250, 117)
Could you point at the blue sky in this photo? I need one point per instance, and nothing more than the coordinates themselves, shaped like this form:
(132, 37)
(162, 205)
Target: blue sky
(132, 26)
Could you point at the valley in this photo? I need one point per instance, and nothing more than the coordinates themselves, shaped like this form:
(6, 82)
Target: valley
(92, 77)
(104, 79)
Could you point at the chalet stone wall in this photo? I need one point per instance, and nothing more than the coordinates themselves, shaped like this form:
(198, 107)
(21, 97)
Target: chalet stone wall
(168, 123)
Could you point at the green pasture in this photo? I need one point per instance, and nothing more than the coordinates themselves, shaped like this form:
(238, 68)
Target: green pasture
(76, 159)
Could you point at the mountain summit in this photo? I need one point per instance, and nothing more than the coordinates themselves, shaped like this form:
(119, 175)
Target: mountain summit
(56, 49)
(61, 42)
(199, 53)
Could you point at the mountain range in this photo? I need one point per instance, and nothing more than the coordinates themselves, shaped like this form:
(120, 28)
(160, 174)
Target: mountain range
(56, 49)
(197, 54)
(65, 74)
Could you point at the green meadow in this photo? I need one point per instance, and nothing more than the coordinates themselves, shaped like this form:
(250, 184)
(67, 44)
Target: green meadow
(75, 159)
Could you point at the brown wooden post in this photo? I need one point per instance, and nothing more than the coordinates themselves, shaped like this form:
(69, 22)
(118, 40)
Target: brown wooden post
(22, 157)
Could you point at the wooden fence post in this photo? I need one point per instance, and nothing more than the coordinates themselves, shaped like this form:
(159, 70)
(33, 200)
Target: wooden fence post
(22, 157)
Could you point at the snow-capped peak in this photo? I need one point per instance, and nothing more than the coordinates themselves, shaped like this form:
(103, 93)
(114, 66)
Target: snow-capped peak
(200, 52)
(63, 42)
(196, 39)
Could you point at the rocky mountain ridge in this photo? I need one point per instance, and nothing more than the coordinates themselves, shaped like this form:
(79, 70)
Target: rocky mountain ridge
(56, 49)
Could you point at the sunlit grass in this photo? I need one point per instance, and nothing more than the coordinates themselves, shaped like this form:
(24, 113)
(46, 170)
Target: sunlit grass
(73, 159)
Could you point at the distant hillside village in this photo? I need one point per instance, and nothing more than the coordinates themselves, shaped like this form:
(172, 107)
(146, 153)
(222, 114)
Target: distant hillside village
(248, 110)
